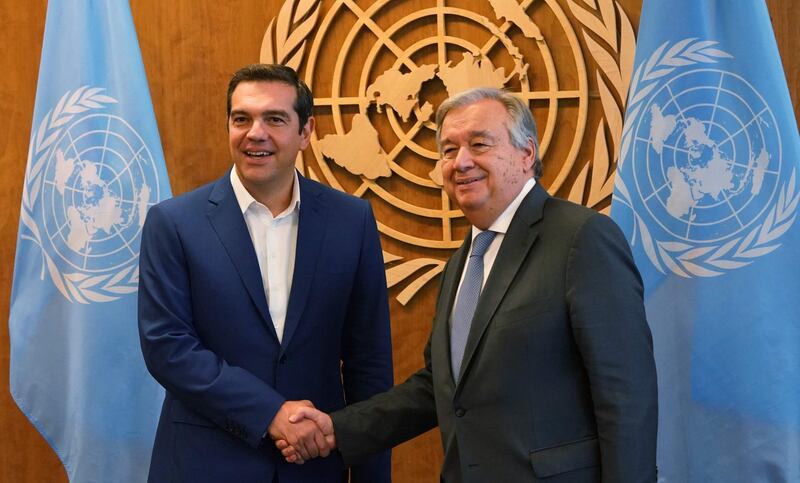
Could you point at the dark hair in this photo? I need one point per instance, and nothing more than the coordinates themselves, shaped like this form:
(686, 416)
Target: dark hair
(521, 125)
(304, 101)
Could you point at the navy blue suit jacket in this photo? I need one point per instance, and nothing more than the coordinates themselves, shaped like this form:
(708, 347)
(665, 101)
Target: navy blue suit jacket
(207, 336)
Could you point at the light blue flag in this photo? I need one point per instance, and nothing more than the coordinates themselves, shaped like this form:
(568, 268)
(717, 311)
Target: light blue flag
(707, 191)
(95, 166)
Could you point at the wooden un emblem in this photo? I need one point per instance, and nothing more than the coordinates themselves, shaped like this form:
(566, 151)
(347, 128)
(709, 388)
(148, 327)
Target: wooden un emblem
(378, 73)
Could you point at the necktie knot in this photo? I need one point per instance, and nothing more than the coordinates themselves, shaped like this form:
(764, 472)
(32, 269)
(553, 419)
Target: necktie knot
(481, 243)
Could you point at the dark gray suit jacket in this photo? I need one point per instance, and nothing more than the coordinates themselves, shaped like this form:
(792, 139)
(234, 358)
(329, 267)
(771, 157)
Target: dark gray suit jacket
(558, 380)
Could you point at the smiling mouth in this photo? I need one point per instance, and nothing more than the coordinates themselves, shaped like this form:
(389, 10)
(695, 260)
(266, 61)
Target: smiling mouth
(259, 154)
(466, 181)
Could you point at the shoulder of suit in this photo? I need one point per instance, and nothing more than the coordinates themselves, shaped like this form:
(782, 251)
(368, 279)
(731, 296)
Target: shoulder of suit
(568, 211)
(197, 197)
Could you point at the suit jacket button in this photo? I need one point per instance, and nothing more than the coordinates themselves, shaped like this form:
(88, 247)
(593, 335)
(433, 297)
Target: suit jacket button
(460, 412)
(282, 359)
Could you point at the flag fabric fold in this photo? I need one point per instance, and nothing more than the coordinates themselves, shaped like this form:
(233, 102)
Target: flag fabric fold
(95, 166)
(707, 191)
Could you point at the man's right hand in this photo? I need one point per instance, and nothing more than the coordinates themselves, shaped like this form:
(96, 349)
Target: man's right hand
(303, 415)
(303, 435)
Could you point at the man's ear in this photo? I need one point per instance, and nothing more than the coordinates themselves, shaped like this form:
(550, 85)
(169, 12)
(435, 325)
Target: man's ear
(305, 133)
(529, 155)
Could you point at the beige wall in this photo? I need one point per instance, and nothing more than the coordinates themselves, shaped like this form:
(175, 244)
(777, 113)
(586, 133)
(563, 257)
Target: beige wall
(190, 48)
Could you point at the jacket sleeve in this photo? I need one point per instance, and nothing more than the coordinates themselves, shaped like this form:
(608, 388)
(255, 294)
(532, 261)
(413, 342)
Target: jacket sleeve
(390, 418)
(605, 296)
(366, 342)
(230, 397)
(387, 419)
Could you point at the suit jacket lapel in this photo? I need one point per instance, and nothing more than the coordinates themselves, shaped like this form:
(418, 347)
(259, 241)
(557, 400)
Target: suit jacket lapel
(521, 235)
(310, 235)
(226, 217)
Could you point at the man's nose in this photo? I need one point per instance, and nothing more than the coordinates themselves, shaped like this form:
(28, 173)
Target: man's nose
(463, 160)
(258, 131)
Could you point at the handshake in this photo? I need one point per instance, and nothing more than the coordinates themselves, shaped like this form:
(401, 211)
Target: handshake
(302, 432)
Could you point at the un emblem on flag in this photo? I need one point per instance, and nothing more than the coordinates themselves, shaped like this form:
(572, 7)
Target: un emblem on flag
(708, 178)
(87, 192)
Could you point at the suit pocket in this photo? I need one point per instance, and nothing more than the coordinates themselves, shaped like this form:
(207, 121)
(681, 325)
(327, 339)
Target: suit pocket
(180, 414)
(566, 457)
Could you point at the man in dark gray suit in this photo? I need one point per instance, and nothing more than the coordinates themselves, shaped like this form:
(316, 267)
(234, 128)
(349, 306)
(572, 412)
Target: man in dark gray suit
(539, 366)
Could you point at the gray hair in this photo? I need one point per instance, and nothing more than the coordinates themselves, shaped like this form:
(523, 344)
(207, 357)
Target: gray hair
(521, 125)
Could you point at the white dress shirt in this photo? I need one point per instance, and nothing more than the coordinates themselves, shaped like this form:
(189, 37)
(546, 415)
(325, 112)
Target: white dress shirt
(275, 242)
(500, 226)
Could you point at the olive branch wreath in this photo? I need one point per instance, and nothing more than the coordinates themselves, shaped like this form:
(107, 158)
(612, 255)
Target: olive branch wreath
(613, 53)
(680, 258)
(76, 286)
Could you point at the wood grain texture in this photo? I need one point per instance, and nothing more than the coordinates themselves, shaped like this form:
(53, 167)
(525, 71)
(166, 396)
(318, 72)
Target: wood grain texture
(190, 48)
(785, 15)
(24, 454)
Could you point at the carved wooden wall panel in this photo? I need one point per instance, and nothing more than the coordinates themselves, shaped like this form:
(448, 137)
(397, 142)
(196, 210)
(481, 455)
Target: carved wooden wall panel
(378, 69)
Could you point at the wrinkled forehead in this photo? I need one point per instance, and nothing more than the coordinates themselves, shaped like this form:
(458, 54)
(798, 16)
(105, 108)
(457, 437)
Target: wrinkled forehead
(480, 118)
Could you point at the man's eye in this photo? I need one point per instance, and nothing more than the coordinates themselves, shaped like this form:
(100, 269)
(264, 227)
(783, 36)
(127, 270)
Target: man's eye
(276, 120)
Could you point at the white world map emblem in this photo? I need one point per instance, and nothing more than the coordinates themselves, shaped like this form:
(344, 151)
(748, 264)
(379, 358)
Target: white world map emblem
(708, 173)
(701, 162)
(87, 194)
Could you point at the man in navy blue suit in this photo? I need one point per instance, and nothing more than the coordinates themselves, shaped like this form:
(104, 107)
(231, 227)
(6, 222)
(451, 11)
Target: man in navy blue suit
(261, 292)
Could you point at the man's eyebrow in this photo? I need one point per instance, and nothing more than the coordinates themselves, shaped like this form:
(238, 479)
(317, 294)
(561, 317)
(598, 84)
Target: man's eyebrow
(478, 133)
(276, 112)
(481, 133)
(271, 112)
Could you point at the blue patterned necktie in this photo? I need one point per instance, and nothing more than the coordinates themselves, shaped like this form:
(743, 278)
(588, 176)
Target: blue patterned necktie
(468, 300)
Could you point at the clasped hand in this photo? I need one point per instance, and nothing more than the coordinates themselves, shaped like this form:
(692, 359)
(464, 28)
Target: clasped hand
(302, 432)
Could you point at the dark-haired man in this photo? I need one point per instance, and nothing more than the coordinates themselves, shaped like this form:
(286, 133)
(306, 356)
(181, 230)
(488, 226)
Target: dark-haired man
(253, 301)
